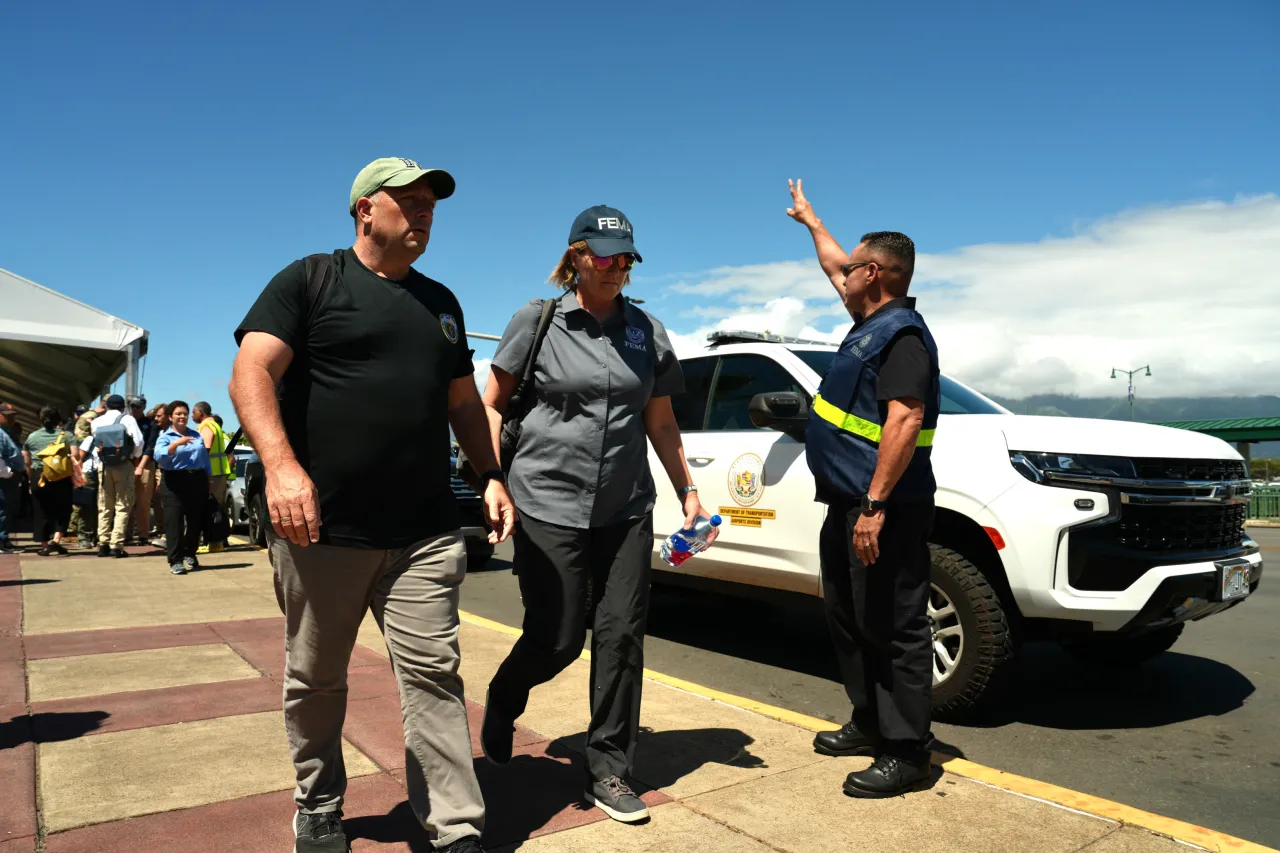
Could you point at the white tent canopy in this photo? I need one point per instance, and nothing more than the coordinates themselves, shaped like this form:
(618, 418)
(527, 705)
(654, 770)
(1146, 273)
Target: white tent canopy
(55, 350)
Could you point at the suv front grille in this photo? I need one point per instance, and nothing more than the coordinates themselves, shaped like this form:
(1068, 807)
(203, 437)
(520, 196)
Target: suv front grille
(1169, 515)
(1189, 469)
(1181, 528)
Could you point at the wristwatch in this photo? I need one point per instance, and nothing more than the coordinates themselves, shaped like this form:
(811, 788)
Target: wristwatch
(869, 505)
(495, 474)
(686, 491)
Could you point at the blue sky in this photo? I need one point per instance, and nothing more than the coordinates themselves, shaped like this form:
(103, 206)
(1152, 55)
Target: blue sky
(163, 161)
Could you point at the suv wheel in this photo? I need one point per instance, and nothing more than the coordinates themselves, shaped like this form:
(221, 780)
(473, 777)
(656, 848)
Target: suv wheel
(1122, 650)
(258, 520)
(972, 643)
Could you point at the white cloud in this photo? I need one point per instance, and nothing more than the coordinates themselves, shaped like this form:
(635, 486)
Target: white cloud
(482, 372)
(1193, 290)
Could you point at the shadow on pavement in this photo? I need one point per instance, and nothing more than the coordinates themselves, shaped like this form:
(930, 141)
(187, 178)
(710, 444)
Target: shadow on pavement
(1048, 687)
(28, 581)
(1052, 690)
(49, 727)
(664, 758)
(396, 826)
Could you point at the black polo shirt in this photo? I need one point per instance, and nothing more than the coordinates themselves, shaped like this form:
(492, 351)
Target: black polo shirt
(365, 399)
(905, 370)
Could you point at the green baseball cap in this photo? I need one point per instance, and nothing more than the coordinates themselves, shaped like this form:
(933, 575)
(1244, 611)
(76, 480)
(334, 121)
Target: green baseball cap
(397, 172)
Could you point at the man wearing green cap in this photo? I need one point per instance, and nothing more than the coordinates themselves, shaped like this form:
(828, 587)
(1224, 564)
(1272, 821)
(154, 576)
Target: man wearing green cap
(359, 523)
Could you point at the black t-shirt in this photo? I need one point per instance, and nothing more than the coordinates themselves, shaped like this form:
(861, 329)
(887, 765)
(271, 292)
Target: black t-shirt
(365, 399)
(905, 370)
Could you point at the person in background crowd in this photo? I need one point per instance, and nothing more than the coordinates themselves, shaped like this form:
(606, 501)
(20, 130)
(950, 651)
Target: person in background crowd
(869, 444)
(11, 465)
(17, 491)
(580, 479)
(217, 419)
(86, 496)
(84, 422)
(144, 473)
(116, 440)
(160, 417)
(347, 535)
(215, 441)
(52, 497)
(81, 427)
(184, 488)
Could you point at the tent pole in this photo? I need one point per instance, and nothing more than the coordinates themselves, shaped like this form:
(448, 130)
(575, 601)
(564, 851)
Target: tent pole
(131, 370)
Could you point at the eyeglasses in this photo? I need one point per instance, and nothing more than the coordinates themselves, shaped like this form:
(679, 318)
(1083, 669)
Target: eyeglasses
(625, 262)
(845, 269)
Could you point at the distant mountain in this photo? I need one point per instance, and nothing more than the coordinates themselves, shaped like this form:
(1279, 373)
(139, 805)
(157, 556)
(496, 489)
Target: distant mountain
(1152, 410)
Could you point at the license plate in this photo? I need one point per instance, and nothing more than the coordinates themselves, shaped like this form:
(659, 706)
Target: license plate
(1233, 579)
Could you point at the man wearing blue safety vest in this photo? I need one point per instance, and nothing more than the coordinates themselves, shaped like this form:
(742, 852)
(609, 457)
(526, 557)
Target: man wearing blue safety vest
(868, 443)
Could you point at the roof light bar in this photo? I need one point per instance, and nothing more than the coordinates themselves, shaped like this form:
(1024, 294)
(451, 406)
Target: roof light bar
(737, 336)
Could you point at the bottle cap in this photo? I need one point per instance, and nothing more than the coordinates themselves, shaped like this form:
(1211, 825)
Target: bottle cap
(716, 521)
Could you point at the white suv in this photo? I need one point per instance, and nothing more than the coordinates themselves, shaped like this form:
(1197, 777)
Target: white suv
(1105, 535)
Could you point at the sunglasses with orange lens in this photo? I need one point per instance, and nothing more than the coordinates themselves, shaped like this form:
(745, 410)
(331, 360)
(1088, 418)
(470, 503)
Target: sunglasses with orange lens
(625, 262)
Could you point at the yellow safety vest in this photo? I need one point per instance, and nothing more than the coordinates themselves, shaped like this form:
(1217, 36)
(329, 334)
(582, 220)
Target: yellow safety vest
(218, 460)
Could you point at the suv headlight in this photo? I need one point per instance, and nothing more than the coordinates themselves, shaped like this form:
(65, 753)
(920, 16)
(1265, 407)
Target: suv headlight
(1034, 465)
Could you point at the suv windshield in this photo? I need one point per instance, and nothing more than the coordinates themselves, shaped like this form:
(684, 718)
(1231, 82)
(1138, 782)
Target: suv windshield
(956, 399)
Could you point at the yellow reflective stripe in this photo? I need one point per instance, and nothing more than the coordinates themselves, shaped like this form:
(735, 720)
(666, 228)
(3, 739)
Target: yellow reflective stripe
(841, 419)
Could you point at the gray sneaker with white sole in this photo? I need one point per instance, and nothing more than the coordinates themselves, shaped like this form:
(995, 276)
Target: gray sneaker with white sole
(615, 798)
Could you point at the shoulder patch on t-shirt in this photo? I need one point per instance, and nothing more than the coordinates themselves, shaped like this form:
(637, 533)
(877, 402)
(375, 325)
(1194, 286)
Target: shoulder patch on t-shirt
(450, 327)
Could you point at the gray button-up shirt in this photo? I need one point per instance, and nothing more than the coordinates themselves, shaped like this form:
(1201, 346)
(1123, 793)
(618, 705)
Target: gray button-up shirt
(582, 460)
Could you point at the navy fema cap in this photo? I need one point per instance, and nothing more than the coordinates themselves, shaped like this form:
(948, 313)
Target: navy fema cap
(606, 230)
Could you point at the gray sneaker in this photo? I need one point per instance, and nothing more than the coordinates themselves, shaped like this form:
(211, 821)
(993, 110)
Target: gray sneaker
(177, 569)
(319, 833)
(615, 798)
(189, 564)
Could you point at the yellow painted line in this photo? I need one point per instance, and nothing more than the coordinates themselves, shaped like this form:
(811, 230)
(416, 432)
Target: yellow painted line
(1178, 830)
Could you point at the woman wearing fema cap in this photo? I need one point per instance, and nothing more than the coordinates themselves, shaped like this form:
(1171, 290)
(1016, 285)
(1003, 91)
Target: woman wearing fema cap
(601, 389)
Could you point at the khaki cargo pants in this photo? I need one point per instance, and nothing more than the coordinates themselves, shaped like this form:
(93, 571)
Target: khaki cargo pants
(115, 503)
(324, 592)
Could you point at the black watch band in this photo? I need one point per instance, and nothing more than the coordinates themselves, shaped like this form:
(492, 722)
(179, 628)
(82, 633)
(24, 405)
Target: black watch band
(494, 474)
(869, 505)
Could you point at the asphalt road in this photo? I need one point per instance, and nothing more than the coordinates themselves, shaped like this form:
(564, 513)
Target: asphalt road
(1193, 734)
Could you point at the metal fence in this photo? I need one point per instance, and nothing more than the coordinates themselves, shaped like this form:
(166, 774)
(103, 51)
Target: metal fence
(1265, 502)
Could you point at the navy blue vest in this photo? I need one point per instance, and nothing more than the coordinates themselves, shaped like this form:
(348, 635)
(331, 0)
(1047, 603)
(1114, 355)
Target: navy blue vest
(842, 441)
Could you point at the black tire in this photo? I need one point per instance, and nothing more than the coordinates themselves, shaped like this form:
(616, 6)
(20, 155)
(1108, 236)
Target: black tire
(1123, 650)
(258, 520)
(987, 648)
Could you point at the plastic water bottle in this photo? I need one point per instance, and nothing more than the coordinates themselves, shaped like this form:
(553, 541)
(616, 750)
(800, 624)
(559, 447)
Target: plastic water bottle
(683, 544)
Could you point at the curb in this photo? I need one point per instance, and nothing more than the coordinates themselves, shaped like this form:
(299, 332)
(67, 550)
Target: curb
(1188, 833)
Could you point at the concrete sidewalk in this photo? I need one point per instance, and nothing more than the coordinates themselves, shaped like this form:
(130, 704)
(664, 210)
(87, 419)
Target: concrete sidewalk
(141, 711)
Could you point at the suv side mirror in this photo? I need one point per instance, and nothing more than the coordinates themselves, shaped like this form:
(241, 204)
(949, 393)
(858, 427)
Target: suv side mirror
(785, 411)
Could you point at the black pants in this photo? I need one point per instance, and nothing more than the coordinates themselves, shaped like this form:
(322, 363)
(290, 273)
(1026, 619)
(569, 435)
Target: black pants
(184, 495)
(879, 623)
(53, 508)
(556, 567)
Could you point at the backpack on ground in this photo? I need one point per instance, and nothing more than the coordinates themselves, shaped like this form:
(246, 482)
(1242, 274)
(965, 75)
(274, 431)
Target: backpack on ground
(56, 460)
(114, 444)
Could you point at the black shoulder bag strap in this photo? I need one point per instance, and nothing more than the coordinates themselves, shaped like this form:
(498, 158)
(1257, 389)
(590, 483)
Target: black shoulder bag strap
(516, 405)
(321, 270)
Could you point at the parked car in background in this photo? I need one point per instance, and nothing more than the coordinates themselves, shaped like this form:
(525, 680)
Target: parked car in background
(237, 506)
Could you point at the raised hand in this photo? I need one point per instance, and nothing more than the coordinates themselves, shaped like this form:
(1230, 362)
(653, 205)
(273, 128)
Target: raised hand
(801, 211)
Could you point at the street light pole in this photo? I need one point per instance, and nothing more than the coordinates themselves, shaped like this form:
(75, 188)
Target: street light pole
(1130, 374)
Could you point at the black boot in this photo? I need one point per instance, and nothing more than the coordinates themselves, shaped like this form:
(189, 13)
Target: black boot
(888, 777)
(847, 741)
